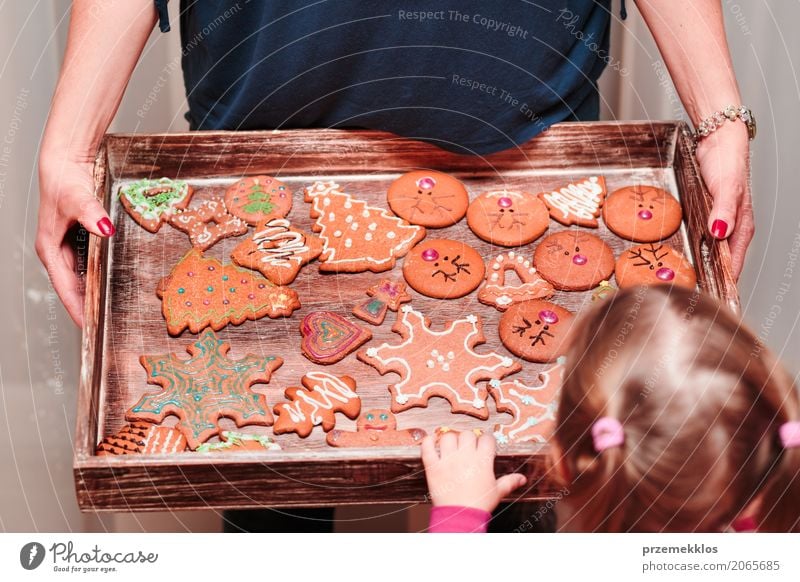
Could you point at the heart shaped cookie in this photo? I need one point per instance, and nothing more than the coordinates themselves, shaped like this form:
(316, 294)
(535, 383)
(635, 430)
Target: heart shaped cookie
(328, 337)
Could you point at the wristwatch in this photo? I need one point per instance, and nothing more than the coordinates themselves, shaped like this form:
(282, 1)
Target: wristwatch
(731, 113)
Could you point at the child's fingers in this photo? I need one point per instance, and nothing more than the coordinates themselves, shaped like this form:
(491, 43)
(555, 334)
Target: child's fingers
(507, 483)
(467, 440)
(486, 445)
(429, 454)
(448, 444)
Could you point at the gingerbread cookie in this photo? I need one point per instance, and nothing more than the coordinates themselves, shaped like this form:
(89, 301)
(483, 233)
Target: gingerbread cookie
(144, 438)
(535, 330)
(533, 408)
(277, 251)
(497, 293)
(506, 218)
(328, 337)
(357, 237)
(258, 199)
(208, 223)
(438, 363)
(385, 295)
(376, 428)
(443, 268)
(151, 202)
(202, 292)
(654, 264)
(204, 388)
(577, 203)
(642, 213)
(573, 260)
(234, 442)
(428, 198)
(316, 404)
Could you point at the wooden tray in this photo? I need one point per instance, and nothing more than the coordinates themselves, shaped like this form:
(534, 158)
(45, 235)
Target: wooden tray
(123, 314)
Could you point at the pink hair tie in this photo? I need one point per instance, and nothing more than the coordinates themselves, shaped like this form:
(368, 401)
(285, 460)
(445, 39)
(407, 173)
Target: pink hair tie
(607, 433)
(790, 434)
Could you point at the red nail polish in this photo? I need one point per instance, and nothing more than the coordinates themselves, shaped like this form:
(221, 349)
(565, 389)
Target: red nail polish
(105, 226)
(719, 228)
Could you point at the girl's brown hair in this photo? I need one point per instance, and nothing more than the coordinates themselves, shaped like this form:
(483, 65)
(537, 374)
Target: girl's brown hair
(701, 401)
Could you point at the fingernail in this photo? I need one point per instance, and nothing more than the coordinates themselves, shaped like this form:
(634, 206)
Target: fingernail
(719, 228)
(105, 226)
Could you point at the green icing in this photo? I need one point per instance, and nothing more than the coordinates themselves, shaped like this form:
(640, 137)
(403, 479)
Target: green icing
(147, 199)
(258, 201)
(234, 439)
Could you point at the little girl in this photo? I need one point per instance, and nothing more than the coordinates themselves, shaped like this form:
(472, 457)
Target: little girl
(673, 417)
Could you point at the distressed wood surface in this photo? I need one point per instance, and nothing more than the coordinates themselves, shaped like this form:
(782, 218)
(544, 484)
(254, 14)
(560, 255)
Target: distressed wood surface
(124, 317)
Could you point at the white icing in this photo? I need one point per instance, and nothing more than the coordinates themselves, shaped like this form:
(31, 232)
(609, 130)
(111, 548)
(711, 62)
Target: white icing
(326, 392)
(582, 200)
(348, 243)
(438, 373)
(368, 236)
(390, 234)
(337, 233)
(280, 245)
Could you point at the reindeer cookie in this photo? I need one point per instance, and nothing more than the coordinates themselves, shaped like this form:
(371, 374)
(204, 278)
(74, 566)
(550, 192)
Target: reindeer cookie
(654, 264)
(642, 213)
(508, 218)
(535, 330)
(443, 268)
(428, 198)
(573, 260)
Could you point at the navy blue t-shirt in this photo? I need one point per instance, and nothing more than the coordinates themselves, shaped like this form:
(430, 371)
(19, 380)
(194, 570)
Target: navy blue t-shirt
(469, 76)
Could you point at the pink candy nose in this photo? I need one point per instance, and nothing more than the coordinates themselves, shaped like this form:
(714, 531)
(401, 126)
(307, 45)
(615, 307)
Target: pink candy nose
(426, 183)
(430, 255)
(645, 214)
(548, 316)
(579, 259)
(504, 202)
(665, 274)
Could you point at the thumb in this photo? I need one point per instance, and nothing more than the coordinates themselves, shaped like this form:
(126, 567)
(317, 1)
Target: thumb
(94, 217)
(727, 196)
(507, 483)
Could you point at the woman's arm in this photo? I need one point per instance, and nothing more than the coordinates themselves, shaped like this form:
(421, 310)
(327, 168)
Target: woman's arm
(691, 37)
(106, 38)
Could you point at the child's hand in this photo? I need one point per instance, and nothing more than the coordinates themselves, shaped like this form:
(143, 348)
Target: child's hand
(462, 471)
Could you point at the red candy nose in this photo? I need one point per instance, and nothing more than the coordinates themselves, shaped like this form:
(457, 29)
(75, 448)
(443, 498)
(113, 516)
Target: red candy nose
(665, 274)
(645, 214)
(430, 255)
(548, 316)
(426, 183)
(504, 202)
(579, 259)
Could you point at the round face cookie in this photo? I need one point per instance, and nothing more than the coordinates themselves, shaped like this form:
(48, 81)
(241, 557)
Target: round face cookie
(654, 264)
(642, 213)
(443, 268)
(258, 199)
(428, 198)
(535, 330)
(573, 260)
(507, 218)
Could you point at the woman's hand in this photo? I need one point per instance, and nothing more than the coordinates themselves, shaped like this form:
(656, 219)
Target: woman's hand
(724, 158)
(66, 197)
(461, 473)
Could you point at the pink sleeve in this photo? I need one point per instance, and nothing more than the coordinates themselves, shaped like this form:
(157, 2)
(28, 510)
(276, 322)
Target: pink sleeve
(456, 519)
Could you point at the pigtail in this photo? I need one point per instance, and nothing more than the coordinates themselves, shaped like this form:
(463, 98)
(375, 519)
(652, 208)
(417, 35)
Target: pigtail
(780, 492)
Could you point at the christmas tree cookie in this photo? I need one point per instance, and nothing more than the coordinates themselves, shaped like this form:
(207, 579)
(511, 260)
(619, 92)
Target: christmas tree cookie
(357, 237)
(202, 292)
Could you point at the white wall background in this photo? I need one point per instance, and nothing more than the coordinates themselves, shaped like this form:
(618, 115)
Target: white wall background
(39, 351)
